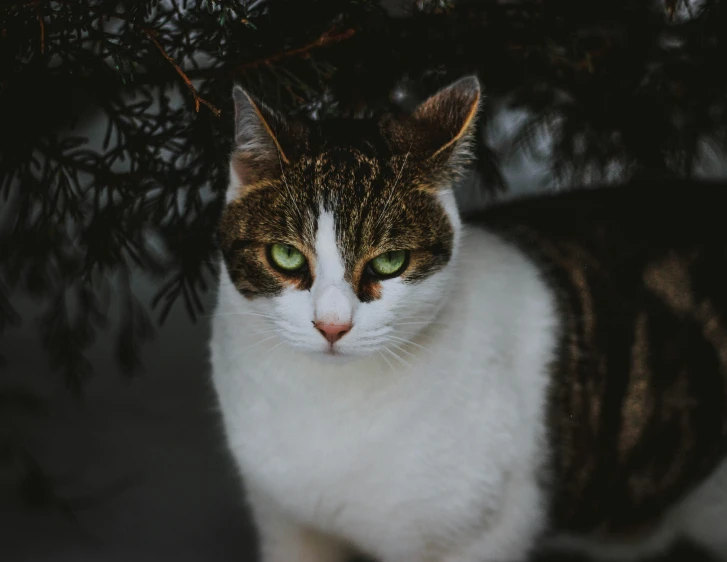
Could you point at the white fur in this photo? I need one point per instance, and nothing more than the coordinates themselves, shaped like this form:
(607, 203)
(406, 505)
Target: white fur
(425, 440)
(235, 187)
(334, 301)
(701, 517)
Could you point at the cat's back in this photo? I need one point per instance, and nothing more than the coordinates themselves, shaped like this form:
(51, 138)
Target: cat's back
(640, 215)
(638, 405)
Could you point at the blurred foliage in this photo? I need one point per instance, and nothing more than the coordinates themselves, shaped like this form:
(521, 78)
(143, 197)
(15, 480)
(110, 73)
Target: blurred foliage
(631, 87)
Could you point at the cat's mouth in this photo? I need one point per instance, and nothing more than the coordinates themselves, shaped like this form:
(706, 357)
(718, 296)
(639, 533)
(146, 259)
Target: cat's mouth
(334, 355)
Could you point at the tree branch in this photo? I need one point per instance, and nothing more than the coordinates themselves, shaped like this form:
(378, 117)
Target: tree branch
(197, 98)
(41, 23)
(326, 39)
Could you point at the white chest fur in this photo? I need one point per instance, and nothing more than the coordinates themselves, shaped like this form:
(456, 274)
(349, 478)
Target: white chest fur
(413, 459)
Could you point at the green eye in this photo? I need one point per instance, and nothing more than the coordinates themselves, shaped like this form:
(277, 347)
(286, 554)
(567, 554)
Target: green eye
(389, 264)
(286, 257)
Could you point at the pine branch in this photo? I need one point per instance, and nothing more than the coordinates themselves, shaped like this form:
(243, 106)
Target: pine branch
(197, 98)
(41, 24)
(328, 38)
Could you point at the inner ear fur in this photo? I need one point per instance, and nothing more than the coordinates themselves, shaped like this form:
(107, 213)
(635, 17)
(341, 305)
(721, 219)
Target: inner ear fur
(443, 124)
(265, 140)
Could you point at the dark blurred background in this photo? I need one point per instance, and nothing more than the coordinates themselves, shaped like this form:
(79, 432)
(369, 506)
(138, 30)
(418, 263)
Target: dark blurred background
(115, 129)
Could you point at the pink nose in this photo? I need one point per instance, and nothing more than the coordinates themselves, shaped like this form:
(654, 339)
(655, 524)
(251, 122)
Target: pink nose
(332, 332)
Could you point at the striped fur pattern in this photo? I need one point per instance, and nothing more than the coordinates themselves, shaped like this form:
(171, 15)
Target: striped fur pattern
(548, 374)
(639, 398)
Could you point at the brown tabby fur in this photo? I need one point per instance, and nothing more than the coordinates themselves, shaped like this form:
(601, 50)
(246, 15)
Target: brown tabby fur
(638, 412)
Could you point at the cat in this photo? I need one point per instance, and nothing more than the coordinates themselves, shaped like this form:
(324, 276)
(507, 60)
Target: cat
(399, 379)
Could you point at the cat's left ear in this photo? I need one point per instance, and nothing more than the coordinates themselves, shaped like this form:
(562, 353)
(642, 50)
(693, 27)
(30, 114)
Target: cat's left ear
(442, 127)
(265, 141)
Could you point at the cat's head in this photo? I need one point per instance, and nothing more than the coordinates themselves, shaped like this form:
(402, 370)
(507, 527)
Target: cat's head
(342, 234)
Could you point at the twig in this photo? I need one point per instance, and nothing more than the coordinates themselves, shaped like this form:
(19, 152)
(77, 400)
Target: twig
(328, 38)
(670, 6)
(197, 98)
(323, 41)
(41, 23)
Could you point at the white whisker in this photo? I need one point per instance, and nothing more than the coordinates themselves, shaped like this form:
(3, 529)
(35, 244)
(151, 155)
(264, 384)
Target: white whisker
(386, 359)
(245, 313)
(290, 192)
(406, 341)
(261, 332)
(247, 348)
(393, 189)
(397, 356)
(409, 353)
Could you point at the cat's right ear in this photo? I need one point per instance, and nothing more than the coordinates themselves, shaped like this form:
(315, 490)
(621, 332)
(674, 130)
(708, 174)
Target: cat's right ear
(264, 140)
(441, 129)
